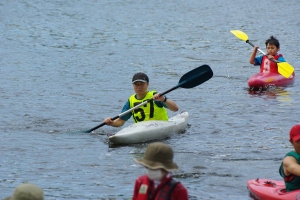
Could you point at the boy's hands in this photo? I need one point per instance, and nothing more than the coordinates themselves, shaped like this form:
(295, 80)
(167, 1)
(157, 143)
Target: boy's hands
(156, 97)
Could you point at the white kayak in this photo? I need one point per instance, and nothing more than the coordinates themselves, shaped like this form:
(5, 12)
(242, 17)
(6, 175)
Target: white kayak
(150, 130)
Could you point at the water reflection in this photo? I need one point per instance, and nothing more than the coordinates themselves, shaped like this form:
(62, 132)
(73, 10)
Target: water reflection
(272, 92)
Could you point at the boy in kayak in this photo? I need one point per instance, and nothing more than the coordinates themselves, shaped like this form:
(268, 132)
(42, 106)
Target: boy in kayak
(158, 183)
(290, 168)
(266, 65)
(153, 110)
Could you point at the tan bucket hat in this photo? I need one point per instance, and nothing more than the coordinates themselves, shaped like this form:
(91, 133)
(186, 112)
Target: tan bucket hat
(158, 156)
(27, 191)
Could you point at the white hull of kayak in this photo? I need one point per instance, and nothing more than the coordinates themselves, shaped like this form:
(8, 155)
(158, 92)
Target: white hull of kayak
(150, 130)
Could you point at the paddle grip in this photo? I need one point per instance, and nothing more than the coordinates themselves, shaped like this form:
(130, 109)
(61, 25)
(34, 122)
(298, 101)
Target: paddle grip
(257, 49)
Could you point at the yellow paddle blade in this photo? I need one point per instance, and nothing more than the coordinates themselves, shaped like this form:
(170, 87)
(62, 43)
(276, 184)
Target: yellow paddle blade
(285, 69)
(240, 34)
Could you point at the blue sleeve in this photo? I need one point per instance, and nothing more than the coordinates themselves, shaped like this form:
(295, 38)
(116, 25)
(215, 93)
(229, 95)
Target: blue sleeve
(281, 59)
(257, 60)
(163, 103)
(125, 108)
(160, 104)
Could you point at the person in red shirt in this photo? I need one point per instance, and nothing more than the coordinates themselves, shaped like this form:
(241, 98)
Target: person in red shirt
(157, 183)
(266, 66)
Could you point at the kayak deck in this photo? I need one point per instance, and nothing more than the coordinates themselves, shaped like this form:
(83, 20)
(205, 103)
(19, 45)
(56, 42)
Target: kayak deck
(265, 189)
(150, 130)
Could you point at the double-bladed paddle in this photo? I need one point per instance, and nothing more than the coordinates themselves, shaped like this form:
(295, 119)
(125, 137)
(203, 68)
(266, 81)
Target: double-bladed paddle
(284, 68)
(191, 79)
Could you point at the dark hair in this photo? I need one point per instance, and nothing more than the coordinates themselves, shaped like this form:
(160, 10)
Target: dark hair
(273, 41)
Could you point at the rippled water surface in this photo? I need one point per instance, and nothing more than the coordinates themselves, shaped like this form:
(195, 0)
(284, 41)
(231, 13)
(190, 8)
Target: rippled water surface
(67, 65)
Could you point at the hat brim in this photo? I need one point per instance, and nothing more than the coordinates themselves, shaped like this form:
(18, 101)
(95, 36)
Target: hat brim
(295, 138)
(157, 165)
(139, 80)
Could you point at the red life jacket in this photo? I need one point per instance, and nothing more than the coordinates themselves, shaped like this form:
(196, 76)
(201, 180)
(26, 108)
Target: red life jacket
(163, 193)
(144, 190)
(268, 66)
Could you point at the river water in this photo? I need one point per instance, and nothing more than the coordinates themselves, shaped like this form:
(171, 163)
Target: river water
(67, 65)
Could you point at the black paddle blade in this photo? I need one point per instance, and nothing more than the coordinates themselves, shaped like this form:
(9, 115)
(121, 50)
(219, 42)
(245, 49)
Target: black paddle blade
(195, 77)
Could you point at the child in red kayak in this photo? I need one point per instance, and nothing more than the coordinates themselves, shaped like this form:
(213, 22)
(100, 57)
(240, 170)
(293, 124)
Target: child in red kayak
(158, 183)
(266, 65)
(290, 168)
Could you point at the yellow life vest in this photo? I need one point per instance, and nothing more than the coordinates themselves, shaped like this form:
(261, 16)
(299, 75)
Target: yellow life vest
(149, 111)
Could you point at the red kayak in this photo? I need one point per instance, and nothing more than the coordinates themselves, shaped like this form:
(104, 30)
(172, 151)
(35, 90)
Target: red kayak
(265, 189)
(264, 80)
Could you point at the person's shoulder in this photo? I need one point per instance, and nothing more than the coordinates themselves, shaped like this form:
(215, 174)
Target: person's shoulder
(291, 157)
(281, 58)
(288, 160)
(258, 60)
(142, 177)
(131, 96)
(259, 57)
(126, 106)
(180, 186)
(292, 153)
(180, 192)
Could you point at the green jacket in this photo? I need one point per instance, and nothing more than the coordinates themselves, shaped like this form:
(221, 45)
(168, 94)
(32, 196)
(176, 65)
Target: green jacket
(292, 182)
